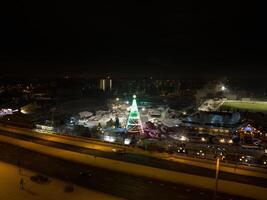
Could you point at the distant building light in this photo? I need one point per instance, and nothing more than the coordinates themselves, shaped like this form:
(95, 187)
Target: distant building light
(43, 127)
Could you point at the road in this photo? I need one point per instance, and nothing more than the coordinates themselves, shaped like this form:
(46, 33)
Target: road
(110, 182)
(145, 160)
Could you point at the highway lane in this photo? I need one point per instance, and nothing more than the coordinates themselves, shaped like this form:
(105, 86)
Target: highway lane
(230, 167)
(149, 161)
(118, 184)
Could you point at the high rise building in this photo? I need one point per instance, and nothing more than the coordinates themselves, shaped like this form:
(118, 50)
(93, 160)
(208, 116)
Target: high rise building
(105, 84)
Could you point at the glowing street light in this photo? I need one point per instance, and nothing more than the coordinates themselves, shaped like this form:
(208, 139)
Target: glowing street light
(222, 140)
(223, 88)
(143, 109)
(117, 99)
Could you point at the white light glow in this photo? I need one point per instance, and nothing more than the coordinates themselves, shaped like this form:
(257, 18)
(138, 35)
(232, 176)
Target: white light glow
(109, 138)
(127, 141)
(23, 111)
(183, 138)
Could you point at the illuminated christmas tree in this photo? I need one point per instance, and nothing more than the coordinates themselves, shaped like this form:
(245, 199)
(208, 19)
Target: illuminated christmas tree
(134, 124)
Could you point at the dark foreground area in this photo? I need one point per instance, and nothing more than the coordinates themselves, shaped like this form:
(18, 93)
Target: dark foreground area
(118, 184)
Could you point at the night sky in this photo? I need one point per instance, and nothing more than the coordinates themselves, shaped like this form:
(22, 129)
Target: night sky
(133, 38)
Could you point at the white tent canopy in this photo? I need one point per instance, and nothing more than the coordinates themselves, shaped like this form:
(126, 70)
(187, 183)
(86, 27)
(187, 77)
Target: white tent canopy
(85, 114)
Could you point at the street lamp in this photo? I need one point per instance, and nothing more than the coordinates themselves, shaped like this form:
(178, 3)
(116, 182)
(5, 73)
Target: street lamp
(216, 177)
(223, 88)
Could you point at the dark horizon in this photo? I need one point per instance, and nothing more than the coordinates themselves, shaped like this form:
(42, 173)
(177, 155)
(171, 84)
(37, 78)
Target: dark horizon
(134, 71)
(181, 40)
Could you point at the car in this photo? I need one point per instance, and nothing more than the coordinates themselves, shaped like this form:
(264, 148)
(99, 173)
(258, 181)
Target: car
(247, 159)
(200, 154)
(205, 135)
(170, 149)
(85, 174)
(256, 142)
(220, 154)
(249, 147)
(181, 150)
(119, 151)
(68, 188)
(39, 179)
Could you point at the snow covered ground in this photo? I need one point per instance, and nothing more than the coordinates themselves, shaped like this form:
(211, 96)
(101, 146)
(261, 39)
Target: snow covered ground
(103, 117)
(53, 190)
(211, 105)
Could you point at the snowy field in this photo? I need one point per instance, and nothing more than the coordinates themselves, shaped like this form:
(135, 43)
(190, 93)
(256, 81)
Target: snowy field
(10, 177)
(253, 106)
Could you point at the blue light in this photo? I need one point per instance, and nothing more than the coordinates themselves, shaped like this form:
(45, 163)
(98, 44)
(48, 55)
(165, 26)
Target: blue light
(249, 129)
